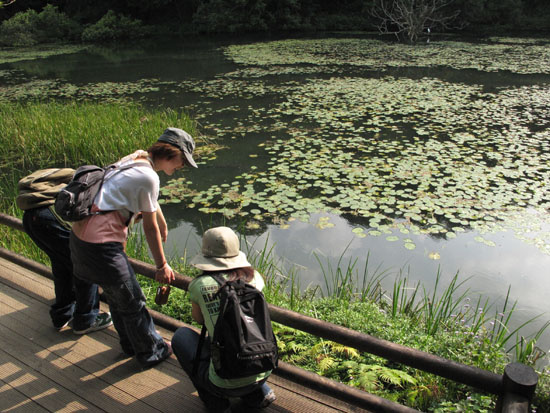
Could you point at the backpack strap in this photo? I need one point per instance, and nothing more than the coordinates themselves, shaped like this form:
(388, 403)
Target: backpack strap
(112, 170)
(220, 280)
(198, 352)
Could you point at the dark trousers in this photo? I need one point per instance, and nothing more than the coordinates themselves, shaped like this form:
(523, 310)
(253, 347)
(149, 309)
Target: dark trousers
(107, 265)
(184, 345)
(73, 297)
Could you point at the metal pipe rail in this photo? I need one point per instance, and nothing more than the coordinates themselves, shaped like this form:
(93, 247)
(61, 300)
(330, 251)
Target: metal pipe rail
(515, 387)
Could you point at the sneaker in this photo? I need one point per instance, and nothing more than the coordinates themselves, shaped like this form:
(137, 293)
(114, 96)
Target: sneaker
(62, 325)
(103, 320)
(268, 399)
(167, 353)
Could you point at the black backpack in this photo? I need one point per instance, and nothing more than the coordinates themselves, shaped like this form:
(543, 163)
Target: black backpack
(243, 343)
(74, 202)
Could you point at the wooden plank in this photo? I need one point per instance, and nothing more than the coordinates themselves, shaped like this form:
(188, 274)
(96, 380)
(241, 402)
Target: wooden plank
(296, 396)
(24, 280)
(64, 374)
(27, 390)
(121, 377)
(13, 401)
(93, 369)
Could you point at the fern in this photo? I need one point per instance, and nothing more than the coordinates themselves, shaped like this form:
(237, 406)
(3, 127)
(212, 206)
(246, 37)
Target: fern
(295, 347)
(326, 363)
(349, 352)
(396, 377)
(326, 347)
(368, 381)
(369, 376)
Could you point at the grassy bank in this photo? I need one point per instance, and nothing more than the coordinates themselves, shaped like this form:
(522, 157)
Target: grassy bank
(442, 322)
(448, 322)
(46, 135)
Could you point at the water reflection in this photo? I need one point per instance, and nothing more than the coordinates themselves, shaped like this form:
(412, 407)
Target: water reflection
(490, 271)
(243, 112)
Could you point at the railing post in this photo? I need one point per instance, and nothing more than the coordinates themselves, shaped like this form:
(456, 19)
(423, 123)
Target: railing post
(518, 386)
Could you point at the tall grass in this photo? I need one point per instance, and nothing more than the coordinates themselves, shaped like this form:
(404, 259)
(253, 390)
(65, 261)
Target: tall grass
(36, 134)
(41, 135)
(438, 307)
(282, 282)
(346, 283)
(400, 301)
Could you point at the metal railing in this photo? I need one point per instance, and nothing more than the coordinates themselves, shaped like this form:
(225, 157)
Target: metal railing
(514, 388)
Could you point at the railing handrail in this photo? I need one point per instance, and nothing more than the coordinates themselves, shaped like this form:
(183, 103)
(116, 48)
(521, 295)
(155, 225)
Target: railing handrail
(461, 373)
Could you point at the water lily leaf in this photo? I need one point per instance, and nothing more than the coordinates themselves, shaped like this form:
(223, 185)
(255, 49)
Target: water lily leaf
(252, 225)
(434, 256)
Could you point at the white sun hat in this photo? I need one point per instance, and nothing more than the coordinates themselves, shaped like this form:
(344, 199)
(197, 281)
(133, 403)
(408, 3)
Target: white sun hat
(220, 251)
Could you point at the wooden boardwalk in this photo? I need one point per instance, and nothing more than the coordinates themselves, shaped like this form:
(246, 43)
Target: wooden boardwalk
(43, 370)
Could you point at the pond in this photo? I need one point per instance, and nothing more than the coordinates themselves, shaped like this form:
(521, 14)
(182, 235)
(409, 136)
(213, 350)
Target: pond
(342, 148)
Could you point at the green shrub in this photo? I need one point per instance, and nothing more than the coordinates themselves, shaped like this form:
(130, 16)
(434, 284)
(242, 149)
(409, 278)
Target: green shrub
(53, 25)
(20, 30)
(541, 399)
(30, 28)
(114, 26)
(238, 16)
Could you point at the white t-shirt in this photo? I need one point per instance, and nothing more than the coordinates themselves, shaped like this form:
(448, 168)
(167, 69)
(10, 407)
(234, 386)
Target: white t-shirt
(127, 191)
(135, 189)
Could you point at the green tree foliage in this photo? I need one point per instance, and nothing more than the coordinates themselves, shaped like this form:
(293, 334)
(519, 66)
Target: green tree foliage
(239, 16)
(499, 12)
(251, 15)
(30, 28)
(6, 3)
(113, 26)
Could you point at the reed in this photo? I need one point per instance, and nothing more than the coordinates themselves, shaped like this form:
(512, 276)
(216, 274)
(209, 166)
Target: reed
(38, 135)
(443, 310)
(438, 307)
(347, 283)
(282, 282)
(401, 302)
(53, 134)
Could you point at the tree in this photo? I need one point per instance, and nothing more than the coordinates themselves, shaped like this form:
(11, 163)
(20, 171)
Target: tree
(6, 3)
(410, 18)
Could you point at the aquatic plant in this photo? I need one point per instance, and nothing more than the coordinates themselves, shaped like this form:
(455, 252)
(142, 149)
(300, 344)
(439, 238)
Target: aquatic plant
(402, 156)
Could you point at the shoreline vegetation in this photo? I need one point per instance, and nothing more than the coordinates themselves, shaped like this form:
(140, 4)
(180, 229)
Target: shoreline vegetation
(26, 23)
(444, 320)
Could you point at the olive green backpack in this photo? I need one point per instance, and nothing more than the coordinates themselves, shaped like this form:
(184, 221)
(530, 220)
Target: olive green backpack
(41, 187)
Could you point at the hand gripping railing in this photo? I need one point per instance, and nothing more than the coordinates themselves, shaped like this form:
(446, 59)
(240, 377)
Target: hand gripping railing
(514, 388)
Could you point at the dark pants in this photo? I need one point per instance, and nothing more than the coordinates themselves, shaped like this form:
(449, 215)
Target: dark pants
(107, 265)
(73, 297)
(184, 345)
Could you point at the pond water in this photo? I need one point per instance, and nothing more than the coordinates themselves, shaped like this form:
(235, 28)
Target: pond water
(425, 159)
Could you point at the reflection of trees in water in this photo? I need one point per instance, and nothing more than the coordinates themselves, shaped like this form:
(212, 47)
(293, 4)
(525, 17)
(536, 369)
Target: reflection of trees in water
(200, 222)
(363, 142)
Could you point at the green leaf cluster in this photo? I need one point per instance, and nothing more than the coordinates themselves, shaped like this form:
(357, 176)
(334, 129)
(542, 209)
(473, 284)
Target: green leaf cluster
(30, 28)
(113, 26)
